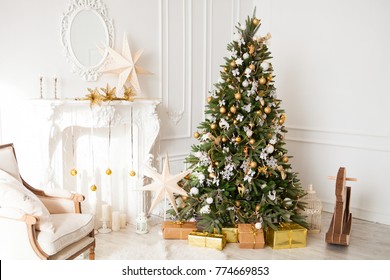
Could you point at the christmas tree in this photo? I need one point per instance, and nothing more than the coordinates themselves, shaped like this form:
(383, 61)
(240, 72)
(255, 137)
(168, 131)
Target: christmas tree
(240, 171)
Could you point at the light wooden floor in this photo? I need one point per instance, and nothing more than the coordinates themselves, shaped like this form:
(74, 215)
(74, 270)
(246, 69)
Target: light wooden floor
(369, 241)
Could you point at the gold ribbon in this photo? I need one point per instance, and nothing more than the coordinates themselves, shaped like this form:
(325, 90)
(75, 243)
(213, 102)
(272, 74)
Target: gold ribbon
(254, 232)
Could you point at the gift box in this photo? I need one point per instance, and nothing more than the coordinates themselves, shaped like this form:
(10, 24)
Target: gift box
(288, 235)
(209, 240)
(230, 233)
(177, 230)
(250, 237)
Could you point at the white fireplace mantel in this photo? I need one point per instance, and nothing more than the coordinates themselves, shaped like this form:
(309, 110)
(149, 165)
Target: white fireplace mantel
(58, 115)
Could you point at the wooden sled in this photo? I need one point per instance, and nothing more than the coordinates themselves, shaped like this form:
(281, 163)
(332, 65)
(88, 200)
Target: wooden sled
(340, 226)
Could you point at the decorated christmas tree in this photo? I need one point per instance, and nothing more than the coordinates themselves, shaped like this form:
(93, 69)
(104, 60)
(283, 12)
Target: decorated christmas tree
(240, 170)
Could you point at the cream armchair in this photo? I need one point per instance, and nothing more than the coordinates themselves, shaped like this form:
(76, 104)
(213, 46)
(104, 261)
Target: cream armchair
(37, 225)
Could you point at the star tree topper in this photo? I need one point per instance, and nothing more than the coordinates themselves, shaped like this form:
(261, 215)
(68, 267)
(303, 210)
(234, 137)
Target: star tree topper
(164, 183)
(125, 65)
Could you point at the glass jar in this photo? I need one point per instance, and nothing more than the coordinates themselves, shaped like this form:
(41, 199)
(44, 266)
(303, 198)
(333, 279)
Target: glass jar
(313, 210)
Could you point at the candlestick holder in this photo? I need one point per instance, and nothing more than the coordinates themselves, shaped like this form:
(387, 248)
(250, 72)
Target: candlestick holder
(40, 86)
(104, 228)
(55, 87)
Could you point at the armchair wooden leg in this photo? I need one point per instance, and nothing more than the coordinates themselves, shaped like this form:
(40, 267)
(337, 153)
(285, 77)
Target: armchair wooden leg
(92, 252)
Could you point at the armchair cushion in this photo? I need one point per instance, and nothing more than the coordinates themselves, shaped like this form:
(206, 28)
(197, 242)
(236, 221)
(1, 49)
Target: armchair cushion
(13, 195)
(70, 228)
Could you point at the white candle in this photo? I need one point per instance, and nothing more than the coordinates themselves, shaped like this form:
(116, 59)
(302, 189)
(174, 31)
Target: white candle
(115, 221)
(106, 212)
(123, 220)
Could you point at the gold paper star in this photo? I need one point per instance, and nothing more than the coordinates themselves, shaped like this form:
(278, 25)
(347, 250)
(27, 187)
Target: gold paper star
(95, 97)
(110, 93)
(125, 65)
(164, 183)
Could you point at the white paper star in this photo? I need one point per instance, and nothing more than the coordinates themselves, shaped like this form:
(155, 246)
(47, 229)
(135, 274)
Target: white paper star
(164, 183)
(125, 65)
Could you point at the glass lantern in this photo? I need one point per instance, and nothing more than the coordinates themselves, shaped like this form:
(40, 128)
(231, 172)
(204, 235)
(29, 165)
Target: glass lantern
(141, 223)
(313, 210)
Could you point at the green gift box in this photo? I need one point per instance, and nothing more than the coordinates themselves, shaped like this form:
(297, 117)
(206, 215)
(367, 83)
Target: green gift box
(288, 235)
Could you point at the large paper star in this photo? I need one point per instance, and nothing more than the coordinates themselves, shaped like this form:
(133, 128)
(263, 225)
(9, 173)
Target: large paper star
(164, 183)
(125, 65)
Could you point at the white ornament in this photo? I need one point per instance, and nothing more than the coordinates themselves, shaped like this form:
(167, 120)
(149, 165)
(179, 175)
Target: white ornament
(272, 195)
(245, 56)
(270, 149)
(209, 200)
(258, 225)
(265, 65)
(194, 191)
(245, 83)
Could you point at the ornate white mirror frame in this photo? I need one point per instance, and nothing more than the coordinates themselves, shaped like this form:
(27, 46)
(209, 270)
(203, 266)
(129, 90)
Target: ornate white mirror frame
(87, 72)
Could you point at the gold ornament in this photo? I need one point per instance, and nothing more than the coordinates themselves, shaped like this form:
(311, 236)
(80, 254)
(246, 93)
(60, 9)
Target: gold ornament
(93, 188)
(255, 21)
(73, 172)
(233, 63)
(269, 135)
(262, 81)
(257, 208)
(241, 189)
(235, 122)
(282, 172)
(212, 175)
(225, 69)
(262, 169)
(238, 139)
(94, 97)
(108, 171)
(251, 125)
(251, 49)
(196, 135)
(209, 99)
(224, 139)
(233, 109)
(260, 93)
(285, 159)
(269, 78)
(252, 141)
(283, 116)
(267, 110)
(184, 198)
(229, 114)
(216, 163)
(259, 112)
(222, 110)
(252, 67)
(228, 80)
(213, 126)
(238, 203)
(253, 164)
(237, 96)
(128, 94)
(132, 173)
(281, 121)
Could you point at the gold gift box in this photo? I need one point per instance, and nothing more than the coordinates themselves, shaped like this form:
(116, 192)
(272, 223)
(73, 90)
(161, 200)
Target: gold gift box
(288, 235)
(249, 237)
(230, 233)
(177, 230)
(209, 240)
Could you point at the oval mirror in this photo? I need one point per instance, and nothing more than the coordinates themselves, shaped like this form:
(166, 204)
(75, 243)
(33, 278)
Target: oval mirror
(85, 29)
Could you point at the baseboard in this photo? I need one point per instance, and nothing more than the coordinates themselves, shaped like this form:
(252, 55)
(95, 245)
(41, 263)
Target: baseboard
(362, 214)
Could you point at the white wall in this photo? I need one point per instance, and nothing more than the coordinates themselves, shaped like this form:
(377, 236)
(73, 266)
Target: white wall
(330, 63)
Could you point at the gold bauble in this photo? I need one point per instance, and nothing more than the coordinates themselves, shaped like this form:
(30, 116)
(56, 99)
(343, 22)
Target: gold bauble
(267, 110)
(228, 80)
(73, 172)
(229, 115)
(237, 96)
(238, 139)
(184, 198)
(251, 125)
(233, 64)
(255, 21)
(283, 116)
(269, 78)
(252, 67)
(238, 203)
(257, 208)
(108, 171)
(224, 139)
(235, 122)
(216, 163)
(225, 69)
(285, 159)
(213, 126)
(262, 81)
(212, 175)
(132, 173)
(269, 135)
(222, 110)
(253, 164)
(260, 93)
(233, 109)
(259, 112)
(93, 188)
(281, 121)
(196, 135)
(209, 99)
(252, 141)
